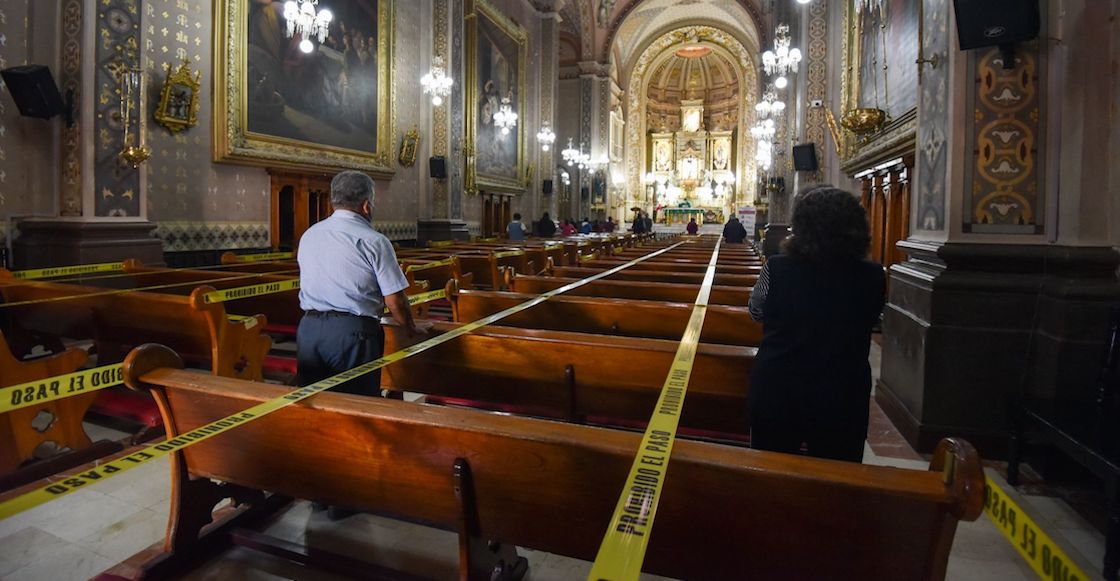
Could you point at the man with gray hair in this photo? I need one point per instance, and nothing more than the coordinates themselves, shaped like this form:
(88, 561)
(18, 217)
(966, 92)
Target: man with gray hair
(348, 274)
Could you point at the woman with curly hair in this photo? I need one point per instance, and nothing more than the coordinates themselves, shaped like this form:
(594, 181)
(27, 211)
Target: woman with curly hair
(817, 301)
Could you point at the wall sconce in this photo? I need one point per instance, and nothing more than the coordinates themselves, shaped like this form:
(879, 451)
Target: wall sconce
(133, 89)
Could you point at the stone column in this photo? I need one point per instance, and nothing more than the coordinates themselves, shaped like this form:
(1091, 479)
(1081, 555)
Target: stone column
(107, 220)
(549, 75)
(1012, 263)
(443, 218)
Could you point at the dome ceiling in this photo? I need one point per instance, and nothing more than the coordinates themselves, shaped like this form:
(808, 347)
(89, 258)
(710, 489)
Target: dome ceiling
(708, 76)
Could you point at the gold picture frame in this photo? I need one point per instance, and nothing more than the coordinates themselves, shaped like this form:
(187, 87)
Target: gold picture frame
(409, 145)
(178, 100)
(236, 142)
(481, 150)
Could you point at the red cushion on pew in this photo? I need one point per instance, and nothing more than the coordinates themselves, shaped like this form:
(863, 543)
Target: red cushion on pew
(281, 329)
(121, 402)
(280, 364)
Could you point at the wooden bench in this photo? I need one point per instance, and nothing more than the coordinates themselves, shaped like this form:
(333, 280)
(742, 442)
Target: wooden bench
(45, 430)
(574, 376)
(743, 280)
(660, 266)
(726, 325)
(725, 512)
(628, 289)
(116, 323)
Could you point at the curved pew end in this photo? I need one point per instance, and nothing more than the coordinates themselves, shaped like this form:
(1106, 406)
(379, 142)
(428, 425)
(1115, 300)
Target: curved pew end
(22, 435)
(238, 348)
(962, 472)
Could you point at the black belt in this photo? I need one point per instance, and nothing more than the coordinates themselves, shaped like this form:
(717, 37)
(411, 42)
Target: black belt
(337, 314)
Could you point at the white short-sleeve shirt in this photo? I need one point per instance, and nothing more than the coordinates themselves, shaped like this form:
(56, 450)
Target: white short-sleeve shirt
(345, 265)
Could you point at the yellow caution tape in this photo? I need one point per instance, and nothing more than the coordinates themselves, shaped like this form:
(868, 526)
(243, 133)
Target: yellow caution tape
(441, 243)
(416, 267)
(492, 239)
(256, 290)
(42, 391)
(265, 256)
(624, 547)
(137, 289)
(105, 471)
(1047, 559)
(509, 253)
(249, 322)
(67, 270)
(422, 298)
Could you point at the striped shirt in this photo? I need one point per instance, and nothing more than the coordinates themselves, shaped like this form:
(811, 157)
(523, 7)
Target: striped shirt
(757, 304)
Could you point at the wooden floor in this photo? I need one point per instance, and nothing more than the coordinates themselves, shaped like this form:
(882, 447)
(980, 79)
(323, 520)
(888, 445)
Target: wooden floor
(91, 531)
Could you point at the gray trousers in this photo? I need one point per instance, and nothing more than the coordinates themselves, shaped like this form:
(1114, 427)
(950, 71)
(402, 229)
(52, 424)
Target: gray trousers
(329, 343)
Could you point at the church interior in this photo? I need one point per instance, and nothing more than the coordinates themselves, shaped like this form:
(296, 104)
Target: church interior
(624, 234)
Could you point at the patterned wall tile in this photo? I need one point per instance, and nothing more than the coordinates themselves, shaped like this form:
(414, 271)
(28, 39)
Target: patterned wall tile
(194, 236)
(1005, 195)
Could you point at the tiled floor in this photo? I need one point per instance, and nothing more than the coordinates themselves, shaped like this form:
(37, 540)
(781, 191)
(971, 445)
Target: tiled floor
(92, 530)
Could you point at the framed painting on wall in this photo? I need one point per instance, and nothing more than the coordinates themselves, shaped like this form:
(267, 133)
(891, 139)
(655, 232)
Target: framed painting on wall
(281, 105)
(496, 56)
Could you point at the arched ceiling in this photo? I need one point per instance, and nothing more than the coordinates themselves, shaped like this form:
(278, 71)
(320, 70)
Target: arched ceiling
(653, 17)
(709, 76)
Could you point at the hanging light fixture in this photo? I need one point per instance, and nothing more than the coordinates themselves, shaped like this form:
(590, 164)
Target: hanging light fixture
(783, 59)
(305, 21)
(764, 130)
(505, 119)
(437, 83)
(769, 105)
(570, 154)
(546, 137)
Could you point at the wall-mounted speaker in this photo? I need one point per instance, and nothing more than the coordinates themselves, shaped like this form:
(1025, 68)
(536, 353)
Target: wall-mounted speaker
(34, 91)
(546, 187)
(437, 167)
(996, 22)
(805, 157)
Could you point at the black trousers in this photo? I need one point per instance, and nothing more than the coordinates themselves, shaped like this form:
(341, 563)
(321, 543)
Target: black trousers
(329, 343)
(832, 443)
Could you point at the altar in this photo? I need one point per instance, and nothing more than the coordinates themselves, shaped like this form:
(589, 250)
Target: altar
(683, 215)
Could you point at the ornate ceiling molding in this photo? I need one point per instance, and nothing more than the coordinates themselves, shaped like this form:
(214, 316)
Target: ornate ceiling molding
(749, 5)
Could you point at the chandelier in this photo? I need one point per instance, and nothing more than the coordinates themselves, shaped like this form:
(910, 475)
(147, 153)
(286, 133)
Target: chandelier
(764, 130)
(764, 155)
(782, 59)
(437, 83)
(570, 153)
(303, 20)
(505, 119)
(546, 137)
(769, 105)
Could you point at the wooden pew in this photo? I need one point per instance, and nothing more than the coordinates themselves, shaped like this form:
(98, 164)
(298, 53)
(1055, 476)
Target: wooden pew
(574, 376)
(726, 325)
(23, 438)
(660, 266)
(725, 512)
(628, 289)
(744, 280)
(118, 322)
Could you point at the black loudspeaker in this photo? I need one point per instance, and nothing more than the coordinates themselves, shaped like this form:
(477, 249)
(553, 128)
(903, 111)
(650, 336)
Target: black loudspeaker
(34, 91)
(437, 167)
(983, 23)
(546, 187)
(805, 157)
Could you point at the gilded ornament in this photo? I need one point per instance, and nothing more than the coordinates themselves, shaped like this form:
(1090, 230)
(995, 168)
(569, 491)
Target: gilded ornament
(178, 100)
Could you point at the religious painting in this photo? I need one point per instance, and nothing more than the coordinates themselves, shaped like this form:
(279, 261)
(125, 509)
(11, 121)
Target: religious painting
(305, 99)
(663, 153)
(496, 55)
(888, 47)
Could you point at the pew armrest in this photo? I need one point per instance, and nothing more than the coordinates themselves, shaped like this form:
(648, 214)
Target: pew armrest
(963, 475)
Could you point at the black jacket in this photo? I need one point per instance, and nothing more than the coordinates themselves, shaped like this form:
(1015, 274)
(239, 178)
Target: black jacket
(735, 232)
(812, 369)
